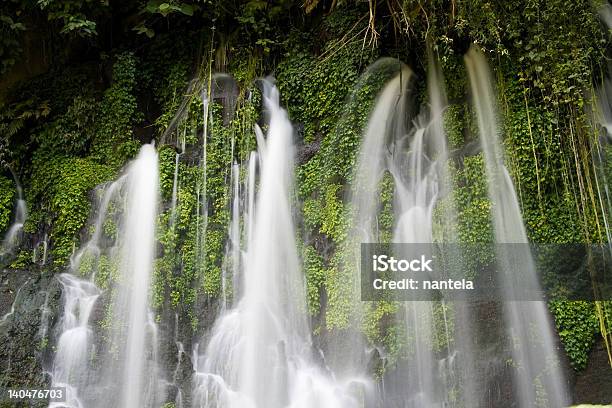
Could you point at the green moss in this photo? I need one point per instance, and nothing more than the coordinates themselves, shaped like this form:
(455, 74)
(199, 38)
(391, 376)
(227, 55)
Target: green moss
(443, 327)
(473, 219)
(453, 125)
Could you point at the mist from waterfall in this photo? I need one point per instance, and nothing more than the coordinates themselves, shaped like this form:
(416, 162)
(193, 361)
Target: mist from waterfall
(538, 375)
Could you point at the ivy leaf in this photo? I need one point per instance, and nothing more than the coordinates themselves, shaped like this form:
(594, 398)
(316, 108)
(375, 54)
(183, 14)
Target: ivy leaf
(164, 9)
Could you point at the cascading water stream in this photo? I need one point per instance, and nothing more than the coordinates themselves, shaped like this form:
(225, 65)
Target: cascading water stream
(21, 214)
(175, 187)
(383, 123)
(11, 312)
(233, 254)
(250, 196)
(130, 356)
(202, 198)
(349, 355)
(415, 197)
(71, 368)
(39, 253)
(419, 173)
(260, 354)
(416, 183)
(604, 118)
(132, 304)
(539, 378)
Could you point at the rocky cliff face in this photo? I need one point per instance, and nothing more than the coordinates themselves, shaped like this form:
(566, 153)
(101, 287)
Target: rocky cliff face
(29, 306)
(594, 383)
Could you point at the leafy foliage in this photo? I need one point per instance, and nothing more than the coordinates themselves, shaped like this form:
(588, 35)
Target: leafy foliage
(10, 29)
(7, 201)
(62, 186)
(113, 143)
(577, 326)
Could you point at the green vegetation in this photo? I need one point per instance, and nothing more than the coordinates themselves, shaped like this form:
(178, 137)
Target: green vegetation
(7, 202)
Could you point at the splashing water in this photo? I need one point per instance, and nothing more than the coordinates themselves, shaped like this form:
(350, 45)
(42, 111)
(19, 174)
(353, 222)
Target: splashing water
(71, 368)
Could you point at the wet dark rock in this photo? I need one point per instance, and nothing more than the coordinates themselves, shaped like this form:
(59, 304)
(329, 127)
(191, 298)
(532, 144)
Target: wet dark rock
(306, 152)
(594, 383)
(24, 348)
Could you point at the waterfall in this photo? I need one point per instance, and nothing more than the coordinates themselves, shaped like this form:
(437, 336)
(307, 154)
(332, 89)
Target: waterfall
(250, 198)
(383, 123)
(39, 255)
(202, 224)
(11, 239)
(415, 197)
(71, 368)
(180, 357)
(260, 353)
(538, 376)
(248, 216)
(128, 374)
(604, 118)
(416, 191)
(417, 164)
(348, 354)
(233, 255)
(175, 187)
(137, 252)
(44, 319)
